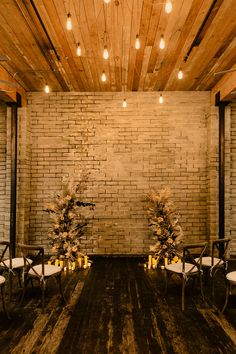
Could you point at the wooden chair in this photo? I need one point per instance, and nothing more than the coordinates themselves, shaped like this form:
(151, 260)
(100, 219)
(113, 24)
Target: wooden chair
(9, 264)
(216, 261)
(231, 282)
(38, 270)
(188, 268)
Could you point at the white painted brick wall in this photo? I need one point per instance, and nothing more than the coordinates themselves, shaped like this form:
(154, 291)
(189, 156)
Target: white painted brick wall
(127, 152)
(4, 174)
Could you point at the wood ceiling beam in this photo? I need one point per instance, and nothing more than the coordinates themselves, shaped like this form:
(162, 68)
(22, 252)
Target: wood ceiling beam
(42, 39)
(225, 86)
(9, 88)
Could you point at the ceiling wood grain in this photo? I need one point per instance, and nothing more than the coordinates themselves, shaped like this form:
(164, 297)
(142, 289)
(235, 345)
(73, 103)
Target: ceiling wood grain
(200, 38)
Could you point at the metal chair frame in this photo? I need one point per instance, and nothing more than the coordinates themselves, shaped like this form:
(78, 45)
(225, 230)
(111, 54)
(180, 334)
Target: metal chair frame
(3, 298)
(188, 258)
(221, 247)
(229, 286)
(8, 268)
(41, 277)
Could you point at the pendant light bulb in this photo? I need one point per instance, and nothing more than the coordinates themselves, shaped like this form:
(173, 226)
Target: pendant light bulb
(103, 77)
(105, 53)
(137, 42)
(168, 6)
(162, 43)
(46, 89)
(78, 50)
(161, 99)
(180, 74)
(124, 103)
(106, 1)
(68, 22)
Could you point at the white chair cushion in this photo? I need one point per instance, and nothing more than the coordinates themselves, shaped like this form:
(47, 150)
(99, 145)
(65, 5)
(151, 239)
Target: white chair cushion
(2, 280)
(16, 263)
(231, 277)
(206, 261)
(178, 267)
(49, 270)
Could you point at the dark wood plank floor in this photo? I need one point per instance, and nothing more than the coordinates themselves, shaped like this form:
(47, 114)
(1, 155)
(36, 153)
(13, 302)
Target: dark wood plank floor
(118, 307)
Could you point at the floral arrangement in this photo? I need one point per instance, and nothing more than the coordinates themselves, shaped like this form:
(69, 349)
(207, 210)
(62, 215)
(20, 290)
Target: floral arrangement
(67, 214)
(164, 223)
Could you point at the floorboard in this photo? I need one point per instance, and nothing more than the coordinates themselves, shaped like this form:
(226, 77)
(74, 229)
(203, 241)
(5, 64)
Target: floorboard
(119, 307)
(122, 309)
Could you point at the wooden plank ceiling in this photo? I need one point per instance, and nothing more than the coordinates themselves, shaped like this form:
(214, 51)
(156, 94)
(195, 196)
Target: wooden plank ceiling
(36, 47)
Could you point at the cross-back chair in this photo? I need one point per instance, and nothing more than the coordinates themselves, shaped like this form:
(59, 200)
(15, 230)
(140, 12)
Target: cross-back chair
(216, 261)
(188, 268)
(230, 283)
(38, 270)
(2, 284)
(9, 264)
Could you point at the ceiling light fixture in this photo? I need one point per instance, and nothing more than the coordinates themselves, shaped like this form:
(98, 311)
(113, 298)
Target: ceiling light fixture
(180, 74)
(124, 104)
(137, 42)
(168, 6)
(162, 42)
(69, 22)
(105, 53)
(161, 99)
(46, 89)
(106, 1)
(78, 50)
(103, 77)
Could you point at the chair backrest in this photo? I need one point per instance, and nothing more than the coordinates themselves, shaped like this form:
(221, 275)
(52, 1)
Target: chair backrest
(6, 247)
(37, 253)
(221, 246)
(189, 255)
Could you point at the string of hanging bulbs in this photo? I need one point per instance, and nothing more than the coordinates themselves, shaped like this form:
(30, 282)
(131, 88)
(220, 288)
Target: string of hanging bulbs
(168, 10)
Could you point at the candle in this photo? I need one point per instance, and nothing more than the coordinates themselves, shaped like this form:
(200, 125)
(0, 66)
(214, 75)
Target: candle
(154, 263)
(86, 261)
(162, 267)
(56, 262)
(49, 262)
(61, 263)
(73, 266)
(89, 264)
(65, 269)
(166, 261)
(79, 260)
(149, 262)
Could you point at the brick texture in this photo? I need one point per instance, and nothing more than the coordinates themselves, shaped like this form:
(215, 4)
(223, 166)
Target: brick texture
(4, 176)
(231, 210)
(127, 152)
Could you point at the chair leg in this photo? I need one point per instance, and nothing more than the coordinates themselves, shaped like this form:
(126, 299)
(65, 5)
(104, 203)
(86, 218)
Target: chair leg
(201, 287)
(226, 297)
(58, 278)
(24, 285)
(3, 302)
(213, 286)
(10, 283)
(43, 287)
(183, 292)
(19, 278)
